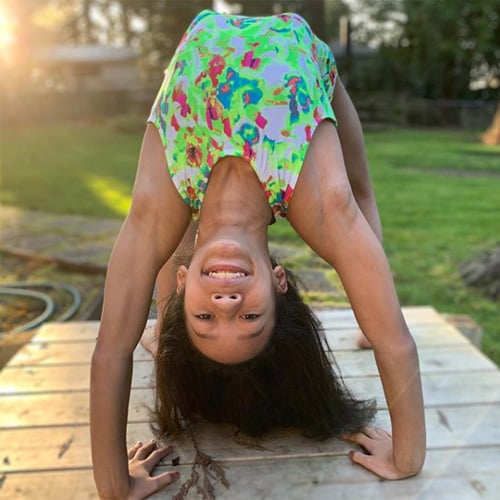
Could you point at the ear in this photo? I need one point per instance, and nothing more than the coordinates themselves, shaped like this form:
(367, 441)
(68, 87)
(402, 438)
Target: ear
(279, 278)
(181, 278)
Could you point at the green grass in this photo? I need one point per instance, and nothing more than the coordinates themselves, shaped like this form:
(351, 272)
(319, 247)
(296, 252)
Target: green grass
(69, 168)
(434, 221)
(433, 218)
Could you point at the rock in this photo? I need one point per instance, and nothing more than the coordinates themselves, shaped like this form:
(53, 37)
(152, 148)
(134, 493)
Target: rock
(483, 272)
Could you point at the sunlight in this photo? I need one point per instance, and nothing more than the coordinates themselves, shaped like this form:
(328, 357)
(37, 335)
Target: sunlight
(51, 15)
(6, 33)
(111, 193)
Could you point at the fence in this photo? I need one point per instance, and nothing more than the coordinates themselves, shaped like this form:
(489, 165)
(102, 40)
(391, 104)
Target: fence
(54, 106)
(374, 109)
(387, 110)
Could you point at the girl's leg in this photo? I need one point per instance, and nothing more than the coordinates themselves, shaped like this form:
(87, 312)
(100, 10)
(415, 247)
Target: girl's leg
(165, 286)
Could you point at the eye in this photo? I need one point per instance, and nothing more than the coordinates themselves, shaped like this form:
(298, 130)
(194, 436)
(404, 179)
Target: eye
(250, 316)
(204, 317)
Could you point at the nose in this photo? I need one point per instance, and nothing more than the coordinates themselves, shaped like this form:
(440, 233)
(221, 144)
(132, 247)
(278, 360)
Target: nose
(226, 301)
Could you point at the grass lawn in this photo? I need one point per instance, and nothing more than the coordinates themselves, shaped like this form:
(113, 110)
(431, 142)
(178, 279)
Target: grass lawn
(438, 194)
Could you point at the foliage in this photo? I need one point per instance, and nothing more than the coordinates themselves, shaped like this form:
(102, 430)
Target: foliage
(322, 15)
(152, 27)
(433, 47)
(312, 10)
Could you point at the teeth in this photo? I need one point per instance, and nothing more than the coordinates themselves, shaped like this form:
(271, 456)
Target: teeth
(226, 274)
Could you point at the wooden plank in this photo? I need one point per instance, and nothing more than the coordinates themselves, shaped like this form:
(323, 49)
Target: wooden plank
(318, 479)
(49, 348)
(73, 331)
(414, 315)
(67, 447)
(459, 389)
(25, 379)
(72, 408)
(425, 336)
(62, 378)
(63, 408)
(45, 353)
(472, 473)
(65, 485)
(452, 359)
(332, 319)
(447, 427)
(322, 479)
(62, 353)
(41, 352)
(335, 319)
(44, 435)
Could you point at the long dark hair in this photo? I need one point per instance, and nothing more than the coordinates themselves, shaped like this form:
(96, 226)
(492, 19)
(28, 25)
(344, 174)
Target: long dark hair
(291, 383)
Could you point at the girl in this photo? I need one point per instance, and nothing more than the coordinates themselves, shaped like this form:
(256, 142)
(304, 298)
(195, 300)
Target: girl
(243, 131)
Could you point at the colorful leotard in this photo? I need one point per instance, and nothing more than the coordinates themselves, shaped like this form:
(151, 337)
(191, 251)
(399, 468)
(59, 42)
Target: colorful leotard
(252, 87)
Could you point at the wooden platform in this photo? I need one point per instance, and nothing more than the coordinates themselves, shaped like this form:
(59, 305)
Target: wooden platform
(44, 434)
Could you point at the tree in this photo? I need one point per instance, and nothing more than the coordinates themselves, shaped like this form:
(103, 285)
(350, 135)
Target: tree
(312, 10)
(434, 46)
(31, 30)
(163, 25)
(152, 27)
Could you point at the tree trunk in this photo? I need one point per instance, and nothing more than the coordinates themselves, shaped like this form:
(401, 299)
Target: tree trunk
(492, 135)
(314, 12)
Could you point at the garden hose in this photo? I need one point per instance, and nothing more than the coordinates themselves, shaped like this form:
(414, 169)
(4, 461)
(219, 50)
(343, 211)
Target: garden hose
(24, 289)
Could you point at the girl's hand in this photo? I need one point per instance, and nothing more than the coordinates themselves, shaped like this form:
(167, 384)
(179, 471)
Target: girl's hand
(376, 453)
(142, 459)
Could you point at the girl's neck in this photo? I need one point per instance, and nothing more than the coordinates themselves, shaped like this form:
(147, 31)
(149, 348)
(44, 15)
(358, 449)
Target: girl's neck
(234, 200)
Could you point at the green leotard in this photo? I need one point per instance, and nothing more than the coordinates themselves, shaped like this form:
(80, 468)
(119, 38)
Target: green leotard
(252, 87)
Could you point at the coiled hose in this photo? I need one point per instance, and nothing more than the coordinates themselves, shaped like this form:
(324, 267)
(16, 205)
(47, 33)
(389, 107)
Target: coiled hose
(24, 289)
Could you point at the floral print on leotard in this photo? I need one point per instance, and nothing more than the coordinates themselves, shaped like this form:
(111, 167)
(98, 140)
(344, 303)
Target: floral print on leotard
(252, 87)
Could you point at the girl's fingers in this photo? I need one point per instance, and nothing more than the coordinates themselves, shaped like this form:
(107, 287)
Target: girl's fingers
(155, 456)
(359, 438)
(366, 461)
(383, 433)
(132, 451)
(145, 450)
(371, 432)
(164, 479)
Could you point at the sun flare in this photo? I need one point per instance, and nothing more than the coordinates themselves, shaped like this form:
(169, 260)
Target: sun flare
(6, 32)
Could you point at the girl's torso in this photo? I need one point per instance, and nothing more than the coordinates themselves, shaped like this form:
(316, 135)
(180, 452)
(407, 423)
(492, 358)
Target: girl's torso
(254, 88)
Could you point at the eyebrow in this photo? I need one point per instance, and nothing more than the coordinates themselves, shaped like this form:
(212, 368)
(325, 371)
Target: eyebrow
(212, 337)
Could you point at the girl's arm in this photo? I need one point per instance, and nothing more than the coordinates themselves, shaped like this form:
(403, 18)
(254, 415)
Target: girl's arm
(157, 220)
(332, 224)
(353, 149)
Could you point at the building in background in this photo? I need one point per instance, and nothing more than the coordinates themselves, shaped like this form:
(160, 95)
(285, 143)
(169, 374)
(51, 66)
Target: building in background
(86, 68)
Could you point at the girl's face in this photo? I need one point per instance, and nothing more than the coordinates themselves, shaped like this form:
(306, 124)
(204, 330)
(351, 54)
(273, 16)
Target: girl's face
(230, 300)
